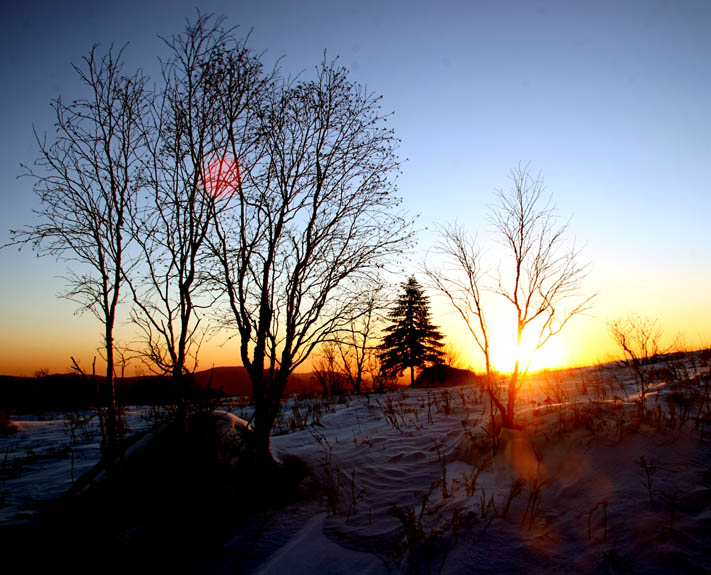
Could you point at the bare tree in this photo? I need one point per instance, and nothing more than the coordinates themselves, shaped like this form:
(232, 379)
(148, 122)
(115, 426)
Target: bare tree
(541, 279)
(462, 281)
(356, 344)
(452, 355)
(345, 358)
(639, 338)
(328, 371)
(313, 217)
(207, 83)
(544, 275)
(87, 179)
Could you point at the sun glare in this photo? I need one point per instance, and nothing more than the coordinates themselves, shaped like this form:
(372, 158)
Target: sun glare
(504, 353)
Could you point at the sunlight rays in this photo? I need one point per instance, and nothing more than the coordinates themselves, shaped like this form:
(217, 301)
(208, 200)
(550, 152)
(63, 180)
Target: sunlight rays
(505, 352)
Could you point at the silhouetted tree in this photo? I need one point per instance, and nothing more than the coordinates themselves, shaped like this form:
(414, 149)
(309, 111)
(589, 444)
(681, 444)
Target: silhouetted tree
(87, 179)
(312, 218)
(278, 195)
(541, 276)
(328, 372)
(462, 283)
(348, 356)
(411, 340)
(356, 344)
(208, 82)
(639, 339)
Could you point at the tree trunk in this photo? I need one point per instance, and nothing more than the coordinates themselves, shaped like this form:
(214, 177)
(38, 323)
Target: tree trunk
(508, 416)
(267, 402)
(180, 381)
(266, 411)
(111, 441)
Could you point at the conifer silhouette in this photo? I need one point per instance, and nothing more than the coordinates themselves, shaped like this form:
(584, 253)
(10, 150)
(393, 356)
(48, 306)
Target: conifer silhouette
(411, 340)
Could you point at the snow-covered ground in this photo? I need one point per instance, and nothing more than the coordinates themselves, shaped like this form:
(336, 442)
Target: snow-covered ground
(407, 481)
(48, 454)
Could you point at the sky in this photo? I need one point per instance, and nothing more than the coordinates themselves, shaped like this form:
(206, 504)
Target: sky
(607, 100)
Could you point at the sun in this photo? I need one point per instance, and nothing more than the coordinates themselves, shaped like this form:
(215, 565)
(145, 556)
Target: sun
(504, 353)
(222, 177)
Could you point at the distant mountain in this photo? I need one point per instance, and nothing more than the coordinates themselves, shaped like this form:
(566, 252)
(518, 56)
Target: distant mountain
(229, 380)
(235, 381)
(72, 391)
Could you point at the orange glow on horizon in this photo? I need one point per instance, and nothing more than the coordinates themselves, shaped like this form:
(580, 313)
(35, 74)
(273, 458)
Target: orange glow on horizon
(505, 352)
(586, 341)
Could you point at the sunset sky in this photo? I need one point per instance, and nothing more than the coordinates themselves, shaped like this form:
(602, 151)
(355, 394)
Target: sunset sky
(608, 100)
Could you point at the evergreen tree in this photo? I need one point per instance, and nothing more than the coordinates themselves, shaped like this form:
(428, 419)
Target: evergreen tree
(411, 339)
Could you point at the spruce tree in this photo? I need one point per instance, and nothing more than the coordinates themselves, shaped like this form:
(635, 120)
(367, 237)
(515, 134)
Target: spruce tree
(411, 340)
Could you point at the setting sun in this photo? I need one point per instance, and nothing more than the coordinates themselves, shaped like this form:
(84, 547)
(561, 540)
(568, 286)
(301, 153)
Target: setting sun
(324, 287)
(504, 353)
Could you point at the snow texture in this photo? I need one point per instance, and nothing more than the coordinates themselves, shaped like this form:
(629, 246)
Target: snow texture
(406, 482)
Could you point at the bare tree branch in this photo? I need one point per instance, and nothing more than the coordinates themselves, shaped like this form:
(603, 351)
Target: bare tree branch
(193, 166)
(315, 215)
(542, 278)
(88, 177)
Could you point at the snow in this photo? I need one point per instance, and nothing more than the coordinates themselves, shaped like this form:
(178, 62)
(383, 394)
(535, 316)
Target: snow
(49, 452)
(406, 482)
(312, 551)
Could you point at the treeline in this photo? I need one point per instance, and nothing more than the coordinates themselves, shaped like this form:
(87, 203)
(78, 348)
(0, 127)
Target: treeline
(68, 392)
(73, 391)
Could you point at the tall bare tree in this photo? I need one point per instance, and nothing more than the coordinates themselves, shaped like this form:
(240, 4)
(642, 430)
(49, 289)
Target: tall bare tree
(462, 281)
(542, 277)
(198, 117)
(88, 178)
(314, 216)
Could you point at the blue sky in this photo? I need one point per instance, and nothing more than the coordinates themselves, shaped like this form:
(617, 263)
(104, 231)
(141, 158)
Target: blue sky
(609, 100)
